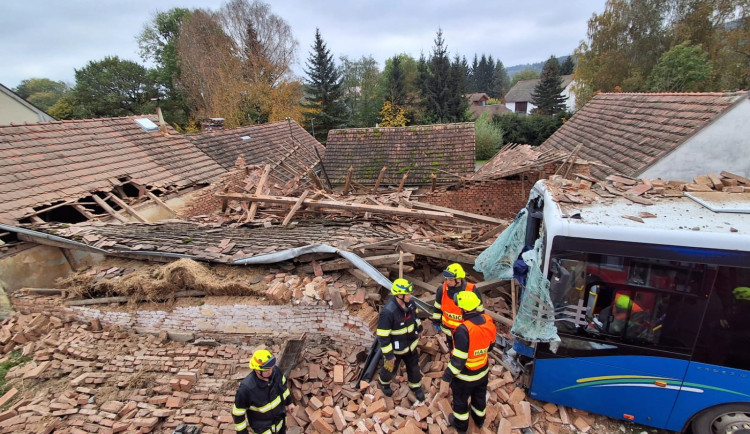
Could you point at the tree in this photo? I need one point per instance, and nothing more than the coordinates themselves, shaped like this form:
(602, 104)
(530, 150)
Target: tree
(392, 115)
(684, 68)
(568, 66)
(444, 85)
(500, 81)
(158, 43)
(547, 95)
(362, 91)
(42, 92)
(235, 64)
(325, 109)
(394, 82)
(112, 87)
(526, 74)
(489, 137)
(401, 86)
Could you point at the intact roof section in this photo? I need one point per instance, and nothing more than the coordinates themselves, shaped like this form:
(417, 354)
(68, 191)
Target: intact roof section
(49, 162)
(259, 144)
(521, 91)
(629, 132)
(447, 150)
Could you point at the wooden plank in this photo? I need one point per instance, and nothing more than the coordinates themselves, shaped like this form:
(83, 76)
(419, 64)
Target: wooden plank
(348, 183)
(349, 206)
(161, 203)
(128, 208)
(739, 178)
(258, 190)
(109, 209)
(463, 215)
(493, 232)
(450, 255)
(294, 209)
(44, 291)
(380, 178)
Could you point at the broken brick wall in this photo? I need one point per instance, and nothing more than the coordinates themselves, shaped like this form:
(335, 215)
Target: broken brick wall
(347, 329)
(205, 201)
(498, 198)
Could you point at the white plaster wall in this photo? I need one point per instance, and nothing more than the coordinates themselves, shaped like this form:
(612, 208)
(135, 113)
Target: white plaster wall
(722, 145)
(570, 103)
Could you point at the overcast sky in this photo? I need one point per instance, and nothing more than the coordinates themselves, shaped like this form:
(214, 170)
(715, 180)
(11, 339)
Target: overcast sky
(52, 38)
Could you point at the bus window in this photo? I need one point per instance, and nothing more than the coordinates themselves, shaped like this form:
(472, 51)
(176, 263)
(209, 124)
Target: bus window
(634, 301)
(725, 335)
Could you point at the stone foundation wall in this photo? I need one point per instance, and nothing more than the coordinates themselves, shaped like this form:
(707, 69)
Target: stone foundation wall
(342, 326)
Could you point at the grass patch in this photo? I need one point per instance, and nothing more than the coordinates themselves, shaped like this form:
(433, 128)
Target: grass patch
(14, 359)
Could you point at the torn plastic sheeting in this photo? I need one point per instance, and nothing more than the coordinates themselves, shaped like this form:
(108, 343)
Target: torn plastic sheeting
(496, 262)
(535, 321)
(285, 255)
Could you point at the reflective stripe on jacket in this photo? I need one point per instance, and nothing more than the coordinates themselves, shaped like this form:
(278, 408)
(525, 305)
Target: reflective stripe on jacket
(260, 404)
(451, 313)
(472, 341)
(398, 329)
(481, 336)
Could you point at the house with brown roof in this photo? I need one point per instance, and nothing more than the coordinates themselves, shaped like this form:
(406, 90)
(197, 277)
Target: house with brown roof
(445, 150)
(660, 135)
(71, 170)
(16, 110)
(518, 99)
(478, 105)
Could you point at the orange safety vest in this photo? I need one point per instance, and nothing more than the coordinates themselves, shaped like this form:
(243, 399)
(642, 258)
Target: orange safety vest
(452, 317)
(481, 336)
(622, 314)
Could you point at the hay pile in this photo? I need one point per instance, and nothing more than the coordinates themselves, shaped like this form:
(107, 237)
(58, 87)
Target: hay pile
(156, 282)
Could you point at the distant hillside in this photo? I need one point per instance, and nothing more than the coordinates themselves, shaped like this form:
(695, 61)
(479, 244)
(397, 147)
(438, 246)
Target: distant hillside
(536, 67)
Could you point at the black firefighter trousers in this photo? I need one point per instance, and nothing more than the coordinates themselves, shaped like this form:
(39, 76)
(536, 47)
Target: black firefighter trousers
(462, 391)
(413, 374)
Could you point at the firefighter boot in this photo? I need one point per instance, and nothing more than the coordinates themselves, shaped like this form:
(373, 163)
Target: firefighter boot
(452, 422)
(387, 389)
(418, 393)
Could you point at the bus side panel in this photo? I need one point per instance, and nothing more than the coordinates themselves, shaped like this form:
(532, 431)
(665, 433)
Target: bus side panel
(706, 386)
(642, 386)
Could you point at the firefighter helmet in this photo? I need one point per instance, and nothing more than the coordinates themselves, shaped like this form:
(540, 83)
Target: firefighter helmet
(401, 287)
(454, 271)
(741, 293)
(262, 360)
(466, 300)
(623, 301)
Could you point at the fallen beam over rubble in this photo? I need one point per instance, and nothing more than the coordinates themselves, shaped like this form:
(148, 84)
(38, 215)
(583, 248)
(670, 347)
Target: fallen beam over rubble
(349, 206)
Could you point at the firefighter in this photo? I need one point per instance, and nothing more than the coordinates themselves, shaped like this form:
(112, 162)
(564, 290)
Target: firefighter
(447, 315)
(468, 370)
(398, 332)
(262, 400)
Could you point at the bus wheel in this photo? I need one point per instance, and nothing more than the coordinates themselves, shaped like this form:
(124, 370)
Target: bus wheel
(724, 419)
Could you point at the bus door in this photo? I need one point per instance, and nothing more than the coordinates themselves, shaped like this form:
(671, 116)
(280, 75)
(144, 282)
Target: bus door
(625, 340)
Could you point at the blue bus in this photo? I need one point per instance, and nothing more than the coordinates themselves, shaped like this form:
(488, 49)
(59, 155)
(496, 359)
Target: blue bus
(638, 311)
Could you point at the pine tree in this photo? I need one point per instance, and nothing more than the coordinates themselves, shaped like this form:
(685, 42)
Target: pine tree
(444, 85)
(500, 81)
(325, 109)
(547, 95)
(567, 67)
(395, 83)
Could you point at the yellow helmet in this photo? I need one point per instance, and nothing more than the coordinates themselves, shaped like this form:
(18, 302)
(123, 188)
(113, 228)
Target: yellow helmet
(262, 360)
(466, 300)
(401, 287)
(623, 301)
(454, 271)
